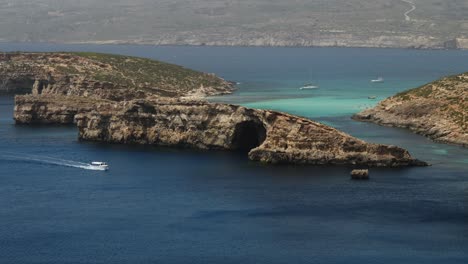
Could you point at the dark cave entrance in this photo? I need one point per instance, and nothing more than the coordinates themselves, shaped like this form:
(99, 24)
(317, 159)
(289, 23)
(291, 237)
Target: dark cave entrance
(248, 135)
(16, 86)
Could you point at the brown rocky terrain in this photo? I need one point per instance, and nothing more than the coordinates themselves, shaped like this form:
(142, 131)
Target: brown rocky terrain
(108, 112)
(55, 109)
(105, 76)
(437, 110)
(267, 136)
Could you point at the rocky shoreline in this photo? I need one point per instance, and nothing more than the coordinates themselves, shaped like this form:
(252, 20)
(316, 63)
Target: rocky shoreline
(266, 136)
(438, 110)
(346, 41)
(109, 112)
(106, 76)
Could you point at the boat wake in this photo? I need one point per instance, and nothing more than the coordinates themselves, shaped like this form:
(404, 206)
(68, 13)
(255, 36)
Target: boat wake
(47, 160)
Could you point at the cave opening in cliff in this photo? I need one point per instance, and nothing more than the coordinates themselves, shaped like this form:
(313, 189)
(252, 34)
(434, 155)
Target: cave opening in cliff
(16, 86)
(248, 135)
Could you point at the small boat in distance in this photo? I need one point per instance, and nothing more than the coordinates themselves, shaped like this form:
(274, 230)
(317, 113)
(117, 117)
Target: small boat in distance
(372, 97)
(378, 80)
(99, 165)
(308, 86)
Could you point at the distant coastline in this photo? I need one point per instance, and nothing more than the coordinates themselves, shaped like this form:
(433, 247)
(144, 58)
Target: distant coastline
(455, 44)
(320, 23)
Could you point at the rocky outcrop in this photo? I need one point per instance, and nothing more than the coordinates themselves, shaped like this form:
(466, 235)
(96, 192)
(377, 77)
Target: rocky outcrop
(267, 136)
(438, 110)
(457, 43)
(135, 101)
(46, 109)
(360, 174)
(105, 76)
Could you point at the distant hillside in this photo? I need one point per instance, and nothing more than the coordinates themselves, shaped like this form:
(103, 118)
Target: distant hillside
(365, 23)
(438, 110)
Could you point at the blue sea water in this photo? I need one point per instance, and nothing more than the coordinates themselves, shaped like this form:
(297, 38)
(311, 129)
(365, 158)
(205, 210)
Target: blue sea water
(183, 206)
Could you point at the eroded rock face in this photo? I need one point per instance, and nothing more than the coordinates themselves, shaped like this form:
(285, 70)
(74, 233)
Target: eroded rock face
(105, 76)
(267, 136)
(147, 102)
(438, 110)
(30, 109)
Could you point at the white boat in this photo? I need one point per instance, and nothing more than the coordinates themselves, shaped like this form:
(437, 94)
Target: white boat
(378, 80)
(308, 87)
(99, 165)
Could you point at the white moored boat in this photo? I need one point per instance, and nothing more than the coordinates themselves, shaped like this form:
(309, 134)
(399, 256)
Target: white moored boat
(99, 165)
(378, 80)
(309, 86)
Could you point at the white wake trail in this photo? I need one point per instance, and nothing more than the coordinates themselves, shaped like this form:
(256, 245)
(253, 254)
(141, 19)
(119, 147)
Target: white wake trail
(48, 160)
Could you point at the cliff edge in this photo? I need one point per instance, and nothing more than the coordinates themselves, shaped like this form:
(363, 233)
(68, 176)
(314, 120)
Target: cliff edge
(267, 136)
(437, 110)
(112, 77)
(163, 108)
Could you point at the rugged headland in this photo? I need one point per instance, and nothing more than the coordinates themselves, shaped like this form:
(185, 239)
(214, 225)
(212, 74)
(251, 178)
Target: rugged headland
(143, 113)
(438, 110)
(106, 76)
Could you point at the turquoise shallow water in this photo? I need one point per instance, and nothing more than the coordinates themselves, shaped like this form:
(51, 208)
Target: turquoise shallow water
(316, 107)
(180, 206)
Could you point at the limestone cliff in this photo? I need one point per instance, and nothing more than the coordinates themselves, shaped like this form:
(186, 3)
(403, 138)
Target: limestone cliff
(54, 109)
(457, 43)
(437, 110)
(267, 136)
(129, 100)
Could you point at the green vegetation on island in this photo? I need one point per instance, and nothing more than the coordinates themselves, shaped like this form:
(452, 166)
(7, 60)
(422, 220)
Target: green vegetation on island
(438, 110)
(102, 71)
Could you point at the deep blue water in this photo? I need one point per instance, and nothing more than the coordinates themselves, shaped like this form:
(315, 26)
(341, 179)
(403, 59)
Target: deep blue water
(182, 206)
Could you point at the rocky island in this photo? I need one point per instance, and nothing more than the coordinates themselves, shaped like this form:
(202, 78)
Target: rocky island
(121, 99)
(104, 76)
(437, 110)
